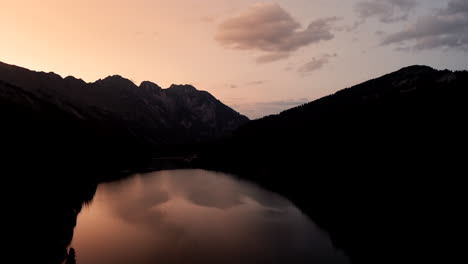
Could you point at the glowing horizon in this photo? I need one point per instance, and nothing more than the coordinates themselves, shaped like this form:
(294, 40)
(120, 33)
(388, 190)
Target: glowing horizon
(257, 57)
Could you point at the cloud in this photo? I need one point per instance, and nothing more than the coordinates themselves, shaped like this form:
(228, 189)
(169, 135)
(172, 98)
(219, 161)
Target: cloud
(269, 28)
(271, 57)
(315, 64)
(292, 102)
(209, 19)
(386, 11)
(447, 28)
(380, 33)
(253, 83)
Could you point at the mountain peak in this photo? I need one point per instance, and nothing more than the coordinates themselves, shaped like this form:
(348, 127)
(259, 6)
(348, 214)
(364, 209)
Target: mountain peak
(114, 77)
(72, 79)
(183, 87)
(150, 86)
(416, 69)
(116, 80)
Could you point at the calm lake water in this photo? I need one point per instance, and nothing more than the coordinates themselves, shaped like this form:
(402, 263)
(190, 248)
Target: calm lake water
(196, 216)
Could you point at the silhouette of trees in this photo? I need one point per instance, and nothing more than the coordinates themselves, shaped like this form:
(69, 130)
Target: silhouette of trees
(71, 258)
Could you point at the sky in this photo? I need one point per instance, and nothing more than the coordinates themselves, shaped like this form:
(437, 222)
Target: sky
(259, 57)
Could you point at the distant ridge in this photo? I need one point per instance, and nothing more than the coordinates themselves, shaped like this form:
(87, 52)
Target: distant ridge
(178, 114)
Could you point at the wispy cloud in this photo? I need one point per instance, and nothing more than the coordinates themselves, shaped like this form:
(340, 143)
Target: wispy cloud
(267, 27)
(446, 27)
(315, 64)
(254, 83)
(386, 11)
(271, 57)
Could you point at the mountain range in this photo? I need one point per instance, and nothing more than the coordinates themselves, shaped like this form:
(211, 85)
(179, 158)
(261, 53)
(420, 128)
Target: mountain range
(178, 114)
(378, 165)
(111, 119)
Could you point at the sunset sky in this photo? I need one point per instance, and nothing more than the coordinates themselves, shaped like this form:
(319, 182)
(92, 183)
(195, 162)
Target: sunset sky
(259, 57)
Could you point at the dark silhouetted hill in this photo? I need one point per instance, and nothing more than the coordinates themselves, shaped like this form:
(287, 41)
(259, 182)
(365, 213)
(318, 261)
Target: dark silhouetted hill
(378, 164)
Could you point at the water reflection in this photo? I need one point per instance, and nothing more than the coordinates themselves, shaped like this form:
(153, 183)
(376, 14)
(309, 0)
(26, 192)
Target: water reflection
(195, 216)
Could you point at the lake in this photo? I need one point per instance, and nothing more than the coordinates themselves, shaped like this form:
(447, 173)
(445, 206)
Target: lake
(196, 216)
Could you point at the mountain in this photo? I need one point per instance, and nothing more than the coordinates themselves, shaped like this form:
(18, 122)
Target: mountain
(112, 119)
(179, 114)
(378, 165)
(412, 109)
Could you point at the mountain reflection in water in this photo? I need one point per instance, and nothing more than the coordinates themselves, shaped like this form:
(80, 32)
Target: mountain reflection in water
(196, 216)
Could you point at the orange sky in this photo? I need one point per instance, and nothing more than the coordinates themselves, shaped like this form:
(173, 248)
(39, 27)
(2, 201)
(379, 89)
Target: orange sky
(178, 41)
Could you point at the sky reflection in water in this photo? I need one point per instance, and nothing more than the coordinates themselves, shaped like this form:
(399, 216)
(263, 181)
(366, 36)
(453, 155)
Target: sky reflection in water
(196, 216)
